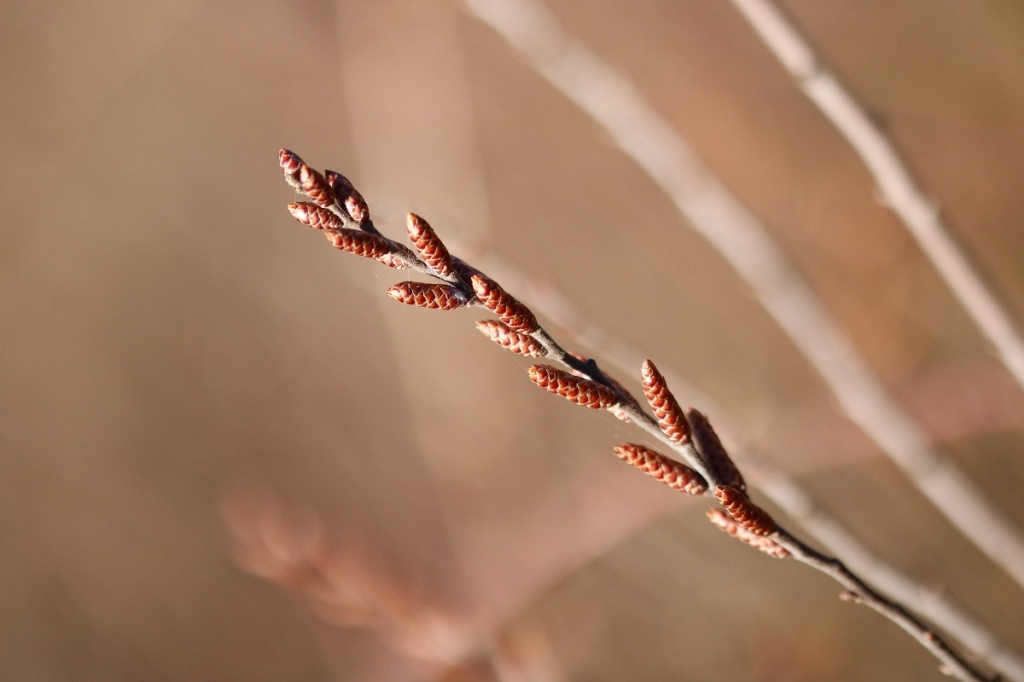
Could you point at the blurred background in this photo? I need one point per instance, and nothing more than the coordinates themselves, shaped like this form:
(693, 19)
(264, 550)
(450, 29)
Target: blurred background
(198, 393)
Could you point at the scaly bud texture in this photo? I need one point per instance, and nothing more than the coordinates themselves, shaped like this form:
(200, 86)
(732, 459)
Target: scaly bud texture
(510, 311)
(743, 511)
(427, 295)
(349, 196)
(364, 244)
(290, 163)
(668, 471)
(712, 451)
(314, 216)
(766, 545)
(521, 344)
(580, 391)
(430, 247)
(670, 416)
(315, 186)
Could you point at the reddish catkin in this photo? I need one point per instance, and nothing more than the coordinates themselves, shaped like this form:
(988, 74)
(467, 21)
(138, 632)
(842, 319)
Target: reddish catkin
(510, 311)
(290, 163)
(580, 391)
(364, 244)
(431, 249)
(743, 511)
(670, 416)
(521, 344)
(314, 216)
(315, 186)
(427, 295)
(712, 451)
(668, 471)
(766, 545)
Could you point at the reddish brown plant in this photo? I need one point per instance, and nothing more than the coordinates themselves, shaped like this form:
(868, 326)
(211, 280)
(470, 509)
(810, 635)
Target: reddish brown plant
(670, 416)
(743, 511)
(580, 391)
(501, 334)
(668, 471)
(314, 216)
(427, 295)
(712, 451)
(510, 311)
(765, 544)
(430, 247)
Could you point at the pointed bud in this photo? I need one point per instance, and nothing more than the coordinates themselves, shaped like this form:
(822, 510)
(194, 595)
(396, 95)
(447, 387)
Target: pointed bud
(670, 416)
(314, 216)
(290, 163)
(668, 471)
(766, 545)
(428, 295)
(349, 197)
(580, 391)
(743, 511)
(510, 311)
(711, 450)
(365, 244)
(315, 186)
(430, 247)
(521, 344)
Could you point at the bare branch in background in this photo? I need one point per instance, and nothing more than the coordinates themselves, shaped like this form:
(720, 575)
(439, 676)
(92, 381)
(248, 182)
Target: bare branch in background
(722, 219)
(919, 215)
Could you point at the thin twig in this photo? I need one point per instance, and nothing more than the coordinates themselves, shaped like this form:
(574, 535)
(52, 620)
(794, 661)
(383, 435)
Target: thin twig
(588, 385)
(722, 219)
(775, 484)
(920, 216)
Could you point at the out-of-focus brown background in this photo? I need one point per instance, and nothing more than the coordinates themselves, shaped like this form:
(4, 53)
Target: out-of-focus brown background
(175, 348)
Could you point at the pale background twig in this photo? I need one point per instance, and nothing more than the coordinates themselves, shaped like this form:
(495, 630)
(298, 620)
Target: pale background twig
(921, 215)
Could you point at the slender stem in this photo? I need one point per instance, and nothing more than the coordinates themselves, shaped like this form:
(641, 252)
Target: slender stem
(921, 218)
(953, 662)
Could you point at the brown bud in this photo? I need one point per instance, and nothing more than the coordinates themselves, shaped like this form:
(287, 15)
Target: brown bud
(355, 206)
(314, 216)
(349, 197)
(431, 249)
(315, 186)
(290, 162)
(670, 416)
(364, 244)
(427, 295)
(711, 450)
(520, 344)
(668, 471)
(766, 545)
(743, 511)
(580, 391)
(510, 311)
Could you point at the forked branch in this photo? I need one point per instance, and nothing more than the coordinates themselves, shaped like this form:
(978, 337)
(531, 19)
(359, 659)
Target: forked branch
(697, 463)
